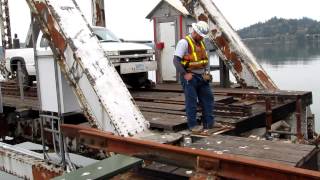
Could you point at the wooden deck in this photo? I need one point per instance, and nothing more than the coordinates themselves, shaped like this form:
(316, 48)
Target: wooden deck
(263, 150)
(28, 102)
(165, 109)
(163, 106)
(242, 109)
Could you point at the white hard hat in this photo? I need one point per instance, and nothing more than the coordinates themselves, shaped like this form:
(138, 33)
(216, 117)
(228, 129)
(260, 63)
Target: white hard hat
(201, 28)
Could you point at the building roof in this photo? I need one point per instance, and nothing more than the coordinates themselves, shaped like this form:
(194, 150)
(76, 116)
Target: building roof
(177, 4)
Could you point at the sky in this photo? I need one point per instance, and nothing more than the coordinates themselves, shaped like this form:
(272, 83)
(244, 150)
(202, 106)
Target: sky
(126, 18)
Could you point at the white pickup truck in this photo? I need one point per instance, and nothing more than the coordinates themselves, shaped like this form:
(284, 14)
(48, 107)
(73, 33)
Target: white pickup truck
(132, 60)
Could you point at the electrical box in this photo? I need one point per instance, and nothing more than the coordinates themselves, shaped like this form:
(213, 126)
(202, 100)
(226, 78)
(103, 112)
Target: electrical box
(52, 85)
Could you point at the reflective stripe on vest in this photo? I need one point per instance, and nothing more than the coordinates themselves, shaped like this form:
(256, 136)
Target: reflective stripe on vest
(193, 59)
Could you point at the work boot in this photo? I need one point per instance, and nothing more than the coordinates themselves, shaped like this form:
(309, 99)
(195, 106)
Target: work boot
(196, 129)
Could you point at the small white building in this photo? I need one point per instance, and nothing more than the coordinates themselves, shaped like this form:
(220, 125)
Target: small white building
(171, 22)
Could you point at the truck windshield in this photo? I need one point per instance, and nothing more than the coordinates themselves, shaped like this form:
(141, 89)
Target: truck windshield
(105, 35)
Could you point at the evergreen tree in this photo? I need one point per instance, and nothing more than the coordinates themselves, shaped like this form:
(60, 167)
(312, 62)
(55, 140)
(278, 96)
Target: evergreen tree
(279, 27)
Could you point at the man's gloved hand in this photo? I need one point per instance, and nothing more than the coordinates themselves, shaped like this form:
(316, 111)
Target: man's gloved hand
(207, 76)
(188, 76)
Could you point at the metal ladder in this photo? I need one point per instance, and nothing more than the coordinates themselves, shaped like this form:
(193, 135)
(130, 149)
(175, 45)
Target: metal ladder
(101, 92)
(5, 35)
(5, 25)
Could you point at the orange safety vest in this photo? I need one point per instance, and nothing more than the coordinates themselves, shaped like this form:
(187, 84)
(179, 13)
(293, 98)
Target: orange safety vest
(197, 57)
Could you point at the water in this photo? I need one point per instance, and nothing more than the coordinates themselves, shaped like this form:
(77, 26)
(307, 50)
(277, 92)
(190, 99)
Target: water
(292, 66)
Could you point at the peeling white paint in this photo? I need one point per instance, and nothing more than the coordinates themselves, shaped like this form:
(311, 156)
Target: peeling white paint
(20, 162)
(250, 67)
(178, 5)
(118, 112)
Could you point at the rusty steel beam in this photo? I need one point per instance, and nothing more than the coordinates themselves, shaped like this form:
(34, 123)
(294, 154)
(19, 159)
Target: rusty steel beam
(206, 164)
(5, 25)
(103, 96)
(230, 48)
(26, 164)
(45, 172)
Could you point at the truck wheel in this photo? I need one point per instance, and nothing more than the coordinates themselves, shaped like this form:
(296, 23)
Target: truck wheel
(149, 84)
(136, 80)
(11, 122)
(24, 76)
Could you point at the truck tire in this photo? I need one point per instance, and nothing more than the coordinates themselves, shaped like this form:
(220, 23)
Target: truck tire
(24, 76)
(136, 80)
(12, 123)
(149, 84)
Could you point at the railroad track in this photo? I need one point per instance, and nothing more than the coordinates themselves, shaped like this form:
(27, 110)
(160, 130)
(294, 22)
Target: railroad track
(10, 88)
(243, 109)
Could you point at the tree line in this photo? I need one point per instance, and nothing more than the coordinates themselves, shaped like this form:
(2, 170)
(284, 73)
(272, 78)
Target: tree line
(282, 28)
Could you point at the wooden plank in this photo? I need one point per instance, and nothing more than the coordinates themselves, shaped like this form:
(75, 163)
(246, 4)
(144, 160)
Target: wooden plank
(254, 154)
(164, 171)
(146, 109)
(166, 121)
(269, 146)
(300, 147)
(237, 92)
(176, 97)
(213, 131)
(159, 95)
(223, 99)
(226, 120)
(14, 101)
(165, 106)
(219, 110)
(259, 151)
(286, 153)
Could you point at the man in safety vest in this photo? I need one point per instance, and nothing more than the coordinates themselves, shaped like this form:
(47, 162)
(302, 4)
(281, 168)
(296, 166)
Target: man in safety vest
(192, 62)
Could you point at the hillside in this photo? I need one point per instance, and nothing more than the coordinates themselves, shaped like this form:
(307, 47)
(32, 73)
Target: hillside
(279, 27)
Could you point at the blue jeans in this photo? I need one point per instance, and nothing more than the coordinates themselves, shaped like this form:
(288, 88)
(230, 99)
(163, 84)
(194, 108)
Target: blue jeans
(196, 90)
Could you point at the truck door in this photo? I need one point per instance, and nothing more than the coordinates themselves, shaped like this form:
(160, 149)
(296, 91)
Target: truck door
(168, 37)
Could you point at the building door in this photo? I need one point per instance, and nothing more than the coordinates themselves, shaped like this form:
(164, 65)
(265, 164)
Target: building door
(168, 37)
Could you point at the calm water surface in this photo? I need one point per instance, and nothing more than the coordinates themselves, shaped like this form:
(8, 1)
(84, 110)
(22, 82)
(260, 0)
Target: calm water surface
(292, 66)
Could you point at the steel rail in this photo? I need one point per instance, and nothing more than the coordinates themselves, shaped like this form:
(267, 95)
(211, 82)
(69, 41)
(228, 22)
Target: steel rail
(206, 164)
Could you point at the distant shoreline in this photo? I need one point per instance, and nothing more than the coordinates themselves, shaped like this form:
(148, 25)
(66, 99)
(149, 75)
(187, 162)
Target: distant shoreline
(282, 29)
(283, 39)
